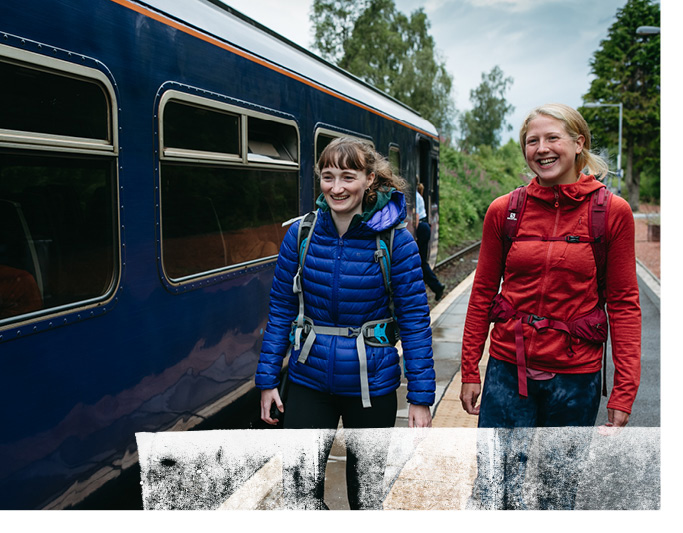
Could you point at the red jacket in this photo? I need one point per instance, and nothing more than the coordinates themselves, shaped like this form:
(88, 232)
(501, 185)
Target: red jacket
(557, 279)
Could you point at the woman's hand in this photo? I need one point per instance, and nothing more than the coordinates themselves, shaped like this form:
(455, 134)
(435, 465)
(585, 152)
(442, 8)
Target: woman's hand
(268, 396)
(419, 416)
(617, 418)
(615, 421)
(469, 394)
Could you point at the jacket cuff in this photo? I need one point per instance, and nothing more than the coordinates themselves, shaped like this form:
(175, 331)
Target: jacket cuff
(619, 407)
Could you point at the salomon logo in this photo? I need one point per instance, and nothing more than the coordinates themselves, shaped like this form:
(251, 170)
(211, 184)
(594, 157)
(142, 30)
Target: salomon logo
(512, 216)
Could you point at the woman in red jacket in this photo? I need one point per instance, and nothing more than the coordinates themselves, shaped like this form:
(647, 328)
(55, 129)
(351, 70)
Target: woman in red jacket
(546, 377)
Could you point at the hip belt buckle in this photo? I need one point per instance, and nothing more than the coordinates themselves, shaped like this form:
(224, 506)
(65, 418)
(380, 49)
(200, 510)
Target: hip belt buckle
(532, 319)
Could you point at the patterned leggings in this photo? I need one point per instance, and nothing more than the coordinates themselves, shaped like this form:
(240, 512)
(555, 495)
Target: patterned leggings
(565, 406)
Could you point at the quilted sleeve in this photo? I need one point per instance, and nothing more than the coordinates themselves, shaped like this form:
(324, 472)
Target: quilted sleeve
(284, 305)
(412, 313)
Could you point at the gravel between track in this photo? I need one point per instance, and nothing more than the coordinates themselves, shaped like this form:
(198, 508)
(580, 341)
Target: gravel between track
(454, 272)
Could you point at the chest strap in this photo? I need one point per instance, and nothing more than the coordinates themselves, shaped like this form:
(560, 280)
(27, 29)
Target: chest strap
(373, 333)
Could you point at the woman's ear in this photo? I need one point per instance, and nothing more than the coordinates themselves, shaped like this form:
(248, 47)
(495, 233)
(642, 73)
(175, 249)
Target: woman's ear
(580, 141)
(371, 178)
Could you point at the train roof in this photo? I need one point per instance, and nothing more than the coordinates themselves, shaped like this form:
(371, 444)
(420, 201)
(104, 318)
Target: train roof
(225, 23)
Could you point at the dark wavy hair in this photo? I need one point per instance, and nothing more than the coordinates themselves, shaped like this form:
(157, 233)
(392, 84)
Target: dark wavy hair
(349, 152)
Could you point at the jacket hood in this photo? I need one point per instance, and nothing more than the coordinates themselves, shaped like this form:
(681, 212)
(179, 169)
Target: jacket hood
(389, 210)
(391, 213)
(571, 193)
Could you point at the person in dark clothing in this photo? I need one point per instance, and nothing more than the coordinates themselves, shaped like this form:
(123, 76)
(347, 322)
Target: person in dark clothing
(424, 235)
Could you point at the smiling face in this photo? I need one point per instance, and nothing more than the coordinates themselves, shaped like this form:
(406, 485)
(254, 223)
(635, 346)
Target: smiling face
(344, 188)
(551, 152)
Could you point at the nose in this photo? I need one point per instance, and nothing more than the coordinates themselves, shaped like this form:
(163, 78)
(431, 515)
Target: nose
(337, 185)
(542, 146)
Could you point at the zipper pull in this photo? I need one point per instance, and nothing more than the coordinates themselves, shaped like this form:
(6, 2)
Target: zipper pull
(557, 198)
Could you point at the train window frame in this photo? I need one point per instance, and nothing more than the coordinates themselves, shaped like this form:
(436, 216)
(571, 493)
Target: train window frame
(63, 149)
(334, 134)
(44, 141)
(256, 154)
(243, 157)
(395, 149)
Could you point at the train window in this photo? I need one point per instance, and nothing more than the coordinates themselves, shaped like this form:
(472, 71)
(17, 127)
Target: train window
(216, 217)
(395, 160)
(190, 127)
(56, 231)
(44, 102)
(58, 215)
(225, 212)
(321, 142)
(272, 142)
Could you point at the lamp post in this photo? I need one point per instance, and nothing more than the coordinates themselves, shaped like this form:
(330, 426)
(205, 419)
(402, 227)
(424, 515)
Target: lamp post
(648, 30)
(621, 113)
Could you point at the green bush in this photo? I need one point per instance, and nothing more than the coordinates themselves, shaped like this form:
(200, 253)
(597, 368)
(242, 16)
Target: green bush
(649, 187)
(469, 183)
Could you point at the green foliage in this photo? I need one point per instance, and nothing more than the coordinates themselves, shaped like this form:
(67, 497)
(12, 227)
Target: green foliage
(333, 24)
(482, 125)
(627, 71)
(649, 187)
(468, 184)
(393, 52)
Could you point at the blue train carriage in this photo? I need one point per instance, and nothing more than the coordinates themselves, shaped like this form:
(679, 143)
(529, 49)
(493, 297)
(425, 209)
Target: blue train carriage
(149, 152)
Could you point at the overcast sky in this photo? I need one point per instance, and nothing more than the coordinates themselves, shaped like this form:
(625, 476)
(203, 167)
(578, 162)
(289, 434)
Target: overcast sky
(544, 45)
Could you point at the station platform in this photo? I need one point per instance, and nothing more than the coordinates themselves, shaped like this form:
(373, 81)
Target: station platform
(441, 471)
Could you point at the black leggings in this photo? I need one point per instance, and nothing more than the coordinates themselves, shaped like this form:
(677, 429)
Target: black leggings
(424, 234)
(366, 451)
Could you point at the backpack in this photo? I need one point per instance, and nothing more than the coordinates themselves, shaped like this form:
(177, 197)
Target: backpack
(382, 332)
(591, 327)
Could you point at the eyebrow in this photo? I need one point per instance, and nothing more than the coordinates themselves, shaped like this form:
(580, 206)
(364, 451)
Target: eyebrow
(327, 170)
(546, 134)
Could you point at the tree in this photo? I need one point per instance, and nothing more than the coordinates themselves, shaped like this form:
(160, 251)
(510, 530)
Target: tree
(627, 71)
(395, 53)
(483, 124)
(333, 22)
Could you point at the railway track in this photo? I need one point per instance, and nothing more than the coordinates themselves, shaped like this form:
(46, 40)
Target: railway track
(460, 254)
(455, 268)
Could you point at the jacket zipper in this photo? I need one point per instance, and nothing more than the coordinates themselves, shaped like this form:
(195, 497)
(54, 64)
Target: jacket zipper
(556, 205)
(335, 313)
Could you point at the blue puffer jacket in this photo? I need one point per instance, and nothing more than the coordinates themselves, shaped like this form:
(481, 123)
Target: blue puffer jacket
(343, 286)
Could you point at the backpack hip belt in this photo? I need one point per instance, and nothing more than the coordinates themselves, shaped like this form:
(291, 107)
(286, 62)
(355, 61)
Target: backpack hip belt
(591, 327)
(373, 333)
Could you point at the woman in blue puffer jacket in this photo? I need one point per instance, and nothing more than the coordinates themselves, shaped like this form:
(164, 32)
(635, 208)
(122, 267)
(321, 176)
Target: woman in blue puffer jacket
(343, 288)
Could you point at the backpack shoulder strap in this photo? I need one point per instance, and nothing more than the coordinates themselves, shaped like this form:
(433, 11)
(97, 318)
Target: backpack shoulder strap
(303, 240)
(597, 223)
(305, 227)
(385, 247)
(516, 204)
